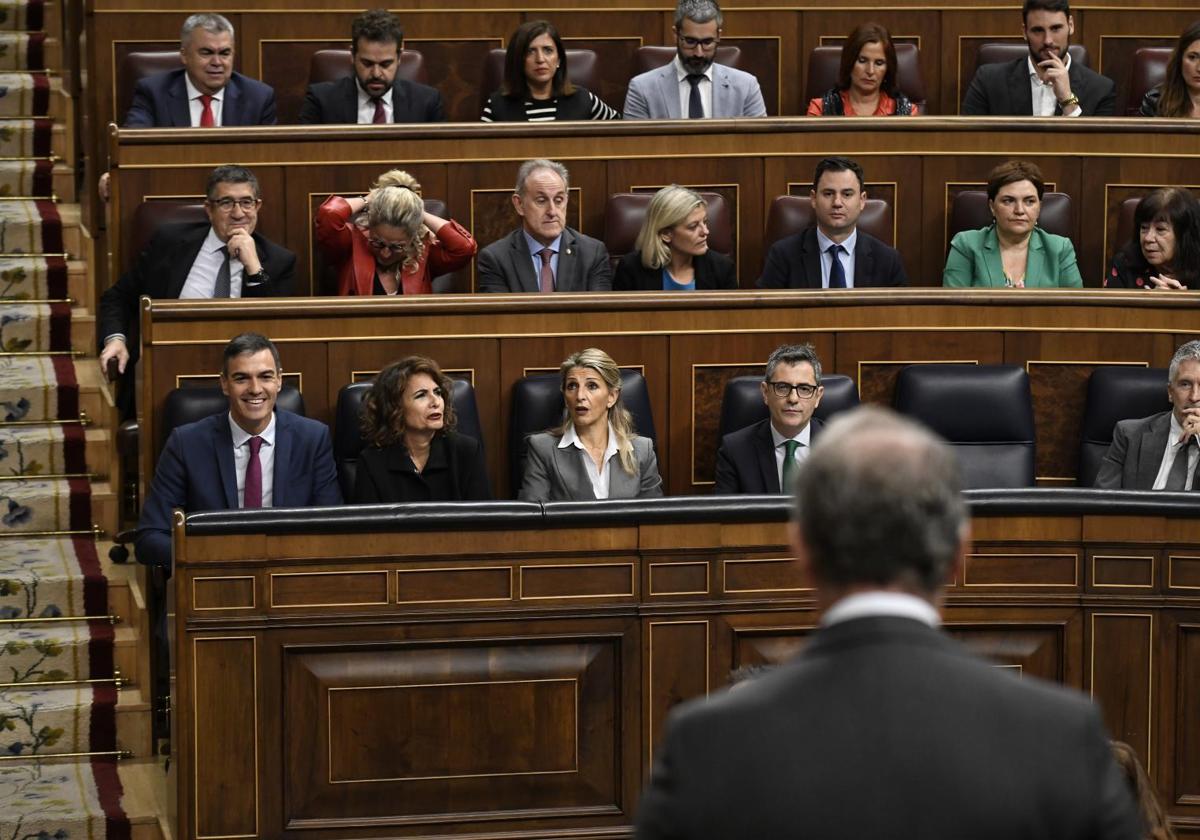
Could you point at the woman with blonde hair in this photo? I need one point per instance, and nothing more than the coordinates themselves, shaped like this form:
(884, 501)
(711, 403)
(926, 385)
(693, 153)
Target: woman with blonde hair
(386, 243)
(595, 453)
(671, 253)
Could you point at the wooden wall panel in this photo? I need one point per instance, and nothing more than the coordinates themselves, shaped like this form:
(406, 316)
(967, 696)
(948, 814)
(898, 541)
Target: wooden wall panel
(677, 669)
(873, 359)
(1182, 776)
(962, 33)
(1121, 651)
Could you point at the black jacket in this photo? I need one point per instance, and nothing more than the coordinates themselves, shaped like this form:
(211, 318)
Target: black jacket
(746, 459)
(455, 472)
(1000, 90)
(336, 102)
(794, 262)
(713, 271)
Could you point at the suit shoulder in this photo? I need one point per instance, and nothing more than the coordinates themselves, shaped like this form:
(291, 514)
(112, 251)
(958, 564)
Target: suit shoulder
(744, 436)
(737, 75)
(582, 240)
(425, 91)
(876, 244)
(499, 245)
(642, 446)
(719, 260)
(202, 427)
(288, 419)
(643, 79)
(1133, 424)
(969, 239)
(249, 84)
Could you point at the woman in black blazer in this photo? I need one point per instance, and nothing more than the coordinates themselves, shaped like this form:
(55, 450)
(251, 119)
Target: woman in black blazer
(671, 252)
(413, 453)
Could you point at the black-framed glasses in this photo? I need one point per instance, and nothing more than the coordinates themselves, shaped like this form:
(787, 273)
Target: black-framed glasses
(704, 43)
(380, 245)
(783, 389)
(226, 205)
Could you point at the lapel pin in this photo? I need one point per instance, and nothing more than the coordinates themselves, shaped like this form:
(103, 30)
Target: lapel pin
(568, 252)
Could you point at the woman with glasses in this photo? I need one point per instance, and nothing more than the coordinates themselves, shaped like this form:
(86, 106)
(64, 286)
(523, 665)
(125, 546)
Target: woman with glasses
(386, 243)
(671, 253)
(535, 86)
(413, 453)
(595, 452)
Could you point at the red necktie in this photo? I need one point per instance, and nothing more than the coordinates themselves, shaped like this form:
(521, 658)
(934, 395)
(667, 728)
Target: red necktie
(206, 116)
(547, 278)
(380, 114)
(252, 495)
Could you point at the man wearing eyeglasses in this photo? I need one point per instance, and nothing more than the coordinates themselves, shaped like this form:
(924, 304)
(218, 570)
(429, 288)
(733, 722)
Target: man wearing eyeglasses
(692, 85)
(220, 258)
(764, 456)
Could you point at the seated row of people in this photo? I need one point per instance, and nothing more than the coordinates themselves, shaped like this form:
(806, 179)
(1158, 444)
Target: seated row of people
(388, 243)
(256, 455)
(536, 86)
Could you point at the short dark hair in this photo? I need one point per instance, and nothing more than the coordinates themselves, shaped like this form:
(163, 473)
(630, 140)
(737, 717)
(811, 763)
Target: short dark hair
(1012, 171)
(838, 164)
(230, 173)
(1178, 208)
(383, 408)
(879, 501)
(1045, 6)
(793, 354)
(248, 342)
(378, 26)
(863, 34)
(515, 84)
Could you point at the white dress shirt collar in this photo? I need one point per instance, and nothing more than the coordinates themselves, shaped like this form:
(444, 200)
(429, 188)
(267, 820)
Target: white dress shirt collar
(880, 603)
(1045, 102)
(600, 480)
(196, 107)
(366, 105)
(847, 257)
(266, 460)
(685, 88)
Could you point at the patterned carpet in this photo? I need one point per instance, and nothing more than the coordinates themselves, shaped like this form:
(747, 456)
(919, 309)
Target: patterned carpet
(58, 698)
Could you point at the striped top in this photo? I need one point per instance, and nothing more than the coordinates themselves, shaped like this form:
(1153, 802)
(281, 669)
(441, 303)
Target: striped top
(580, 105)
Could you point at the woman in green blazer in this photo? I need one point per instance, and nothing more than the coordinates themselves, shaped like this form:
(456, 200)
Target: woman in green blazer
(1013, 251)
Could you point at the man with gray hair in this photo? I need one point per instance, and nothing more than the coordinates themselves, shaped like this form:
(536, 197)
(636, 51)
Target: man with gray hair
(1160, 452)
(205, 92)
(763, 457)
(544, 255)
(885, 726)
(691, 85)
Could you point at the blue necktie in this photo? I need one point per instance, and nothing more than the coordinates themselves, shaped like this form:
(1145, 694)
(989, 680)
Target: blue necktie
(837, 274)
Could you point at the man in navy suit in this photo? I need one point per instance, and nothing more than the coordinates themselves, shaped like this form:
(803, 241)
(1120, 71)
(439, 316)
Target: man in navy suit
(762, 457)
(205, 92)
(252, 456)
(833, 254)
(374, 93)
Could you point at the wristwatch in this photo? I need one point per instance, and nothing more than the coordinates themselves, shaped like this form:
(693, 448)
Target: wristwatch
(257, 279)
(1068, 102)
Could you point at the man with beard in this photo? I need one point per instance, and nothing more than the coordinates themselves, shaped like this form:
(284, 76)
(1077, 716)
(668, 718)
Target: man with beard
(1046, 83)
(692, 86)
(373, 94)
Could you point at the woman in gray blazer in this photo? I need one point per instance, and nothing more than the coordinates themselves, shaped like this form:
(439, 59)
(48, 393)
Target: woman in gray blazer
(595, 453)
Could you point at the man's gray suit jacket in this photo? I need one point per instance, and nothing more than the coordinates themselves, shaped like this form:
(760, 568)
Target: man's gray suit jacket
(654, 95)
(1136, 453)
(507, 265)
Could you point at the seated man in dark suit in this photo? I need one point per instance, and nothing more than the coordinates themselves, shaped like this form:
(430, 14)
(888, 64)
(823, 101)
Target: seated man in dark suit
(205, 92)
(835, 254)
(1045, 83)
(544, 255)
(373, 94)
(884, 726)
(1160, 452)
(223, 257)
(249, 457)
(763, 457)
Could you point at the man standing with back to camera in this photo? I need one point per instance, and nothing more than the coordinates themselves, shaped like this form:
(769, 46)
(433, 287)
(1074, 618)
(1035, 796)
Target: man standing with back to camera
(885, 727)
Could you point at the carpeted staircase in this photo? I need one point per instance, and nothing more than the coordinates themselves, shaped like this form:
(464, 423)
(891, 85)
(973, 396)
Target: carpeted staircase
(71, 669)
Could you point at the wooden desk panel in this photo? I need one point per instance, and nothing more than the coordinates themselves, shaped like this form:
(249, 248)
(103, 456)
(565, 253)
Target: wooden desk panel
(354, 720)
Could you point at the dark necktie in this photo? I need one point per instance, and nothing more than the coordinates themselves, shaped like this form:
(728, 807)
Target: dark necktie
(837, 274)
(380, 114)
(789, 464)
(695, 104)
(547, 274)
(252, 495)
(1177, 477)
(221, 289)
(206, 116)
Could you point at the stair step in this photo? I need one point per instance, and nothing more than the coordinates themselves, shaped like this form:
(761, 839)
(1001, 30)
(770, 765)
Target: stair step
(145, 799)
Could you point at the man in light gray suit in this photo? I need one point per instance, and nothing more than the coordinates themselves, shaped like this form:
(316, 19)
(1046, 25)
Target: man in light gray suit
(1160, 452)
(544, 255)
(691, 85)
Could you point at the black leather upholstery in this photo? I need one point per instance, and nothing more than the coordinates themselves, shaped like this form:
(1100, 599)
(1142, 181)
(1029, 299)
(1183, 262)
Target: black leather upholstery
(441, 516)
(347, 429)
(537, 405)
(1120, 392)
(742, 403)
(187, 405)
(984, 411)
